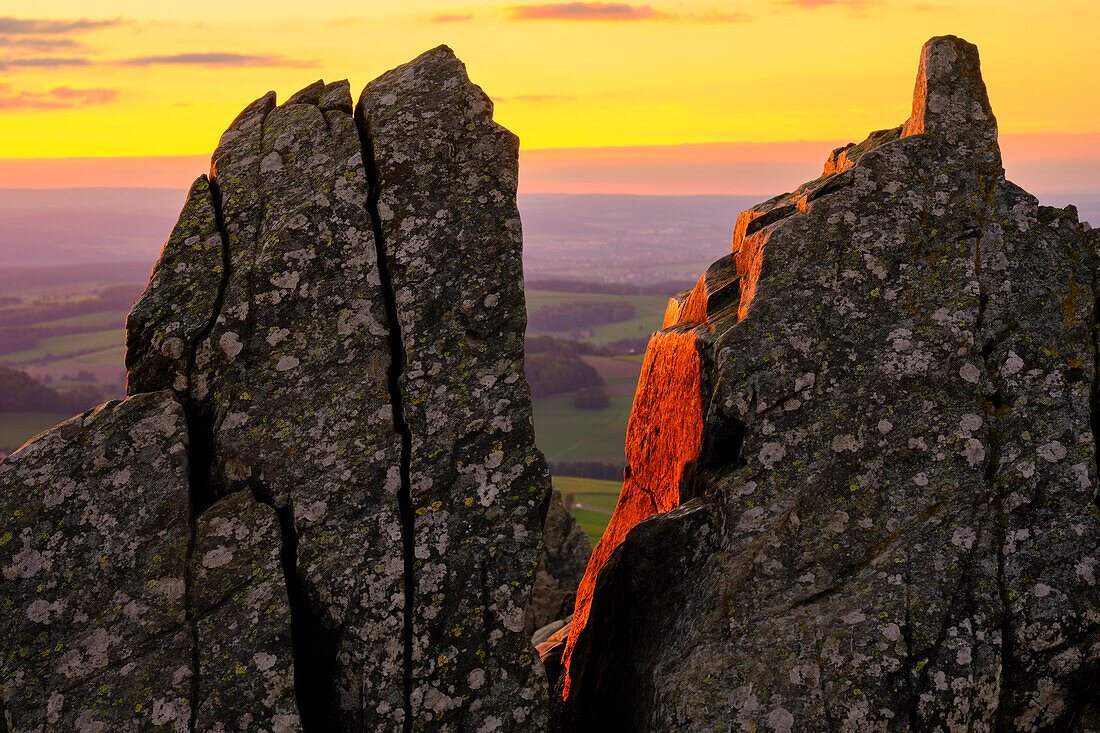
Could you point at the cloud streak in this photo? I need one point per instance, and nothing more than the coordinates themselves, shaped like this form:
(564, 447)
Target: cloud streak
(814, 4)
(451, 18)
(37, 43)
(618, 12)
(43, 62)
(40, 26)
(582, 11)
(216, 60)
(56, 98)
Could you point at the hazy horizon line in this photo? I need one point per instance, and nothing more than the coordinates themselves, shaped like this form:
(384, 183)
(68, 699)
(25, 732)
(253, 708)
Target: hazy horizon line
(1049, 163)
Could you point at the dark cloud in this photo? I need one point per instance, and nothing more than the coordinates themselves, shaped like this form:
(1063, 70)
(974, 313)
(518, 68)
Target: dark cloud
(583, 11)
(618, 12)
(44, 62)
(41, 26)
(56, 98)
(451, 18)
(216, 59)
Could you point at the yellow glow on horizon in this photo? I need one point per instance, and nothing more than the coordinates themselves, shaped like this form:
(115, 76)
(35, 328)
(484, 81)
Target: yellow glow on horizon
(830, 72)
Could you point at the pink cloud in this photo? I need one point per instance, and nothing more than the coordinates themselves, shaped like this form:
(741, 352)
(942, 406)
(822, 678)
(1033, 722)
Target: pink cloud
(583, 11)
(614, 11)
(56, 98)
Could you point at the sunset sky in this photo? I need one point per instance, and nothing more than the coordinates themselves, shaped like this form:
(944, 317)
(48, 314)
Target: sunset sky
(697, 96)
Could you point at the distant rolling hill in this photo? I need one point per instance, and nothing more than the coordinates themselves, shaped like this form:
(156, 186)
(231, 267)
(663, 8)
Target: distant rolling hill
(603, 237)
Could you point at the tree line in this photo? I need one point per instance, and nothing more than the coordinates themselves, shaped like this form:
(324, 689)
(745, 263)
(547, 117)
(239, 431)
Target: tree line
(20, 392)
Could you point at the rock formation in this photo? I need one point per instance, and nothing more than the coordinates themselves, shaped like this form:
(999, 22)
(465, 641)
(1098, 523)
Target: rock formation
(321, 506)
(565, 554)
(873, 424)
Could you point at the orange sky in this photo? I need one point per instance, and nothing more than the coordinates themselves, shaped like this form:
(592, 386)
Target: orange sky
(576, 80)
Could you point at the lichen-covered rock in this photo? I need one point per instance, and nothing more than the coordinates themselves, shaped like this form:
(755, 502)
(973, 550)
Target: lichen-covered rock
(242, 620)
(119, 612)
(565, 553)
(321, 507)
(446, 178)
(894, 524)
(351, 355)
(179, 301)
(94, 545)
(289, 384)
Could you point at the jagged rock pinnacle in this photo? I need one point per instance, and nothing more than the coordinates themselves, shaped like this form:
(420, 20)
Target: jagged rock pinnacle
(950, 98)
(329, 512)
(887, 520)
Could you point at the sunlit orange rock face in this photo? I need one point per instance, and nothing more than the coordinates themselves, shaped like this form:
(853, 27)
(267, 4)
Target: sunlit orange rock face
(664, 434)
(666, 423)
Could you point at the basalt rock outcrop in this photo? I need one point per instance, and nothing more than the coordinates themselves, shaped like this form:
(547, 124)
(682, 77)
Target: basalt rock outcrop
(321, 506)
(862, 455)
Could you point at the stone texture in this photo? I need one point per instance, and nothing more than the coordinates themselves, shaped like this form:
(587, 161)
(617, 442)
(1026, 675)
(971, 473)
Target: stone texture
(118, 612)
(893, 523)
(287, 385)
(662, 438)
(565, 553)
(242, 615)
(446, 182)
(94, 551)
(321, 507)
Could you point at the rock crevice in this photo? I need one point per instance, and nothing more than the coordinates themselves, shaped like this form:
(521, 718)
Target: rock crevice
(398, 360)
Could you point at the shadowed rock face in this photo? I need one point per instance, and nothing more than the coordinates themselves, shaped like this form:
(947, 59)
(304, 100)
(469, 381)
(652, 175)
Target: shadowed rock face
(565, 554)
(893, 524)
(335, 328)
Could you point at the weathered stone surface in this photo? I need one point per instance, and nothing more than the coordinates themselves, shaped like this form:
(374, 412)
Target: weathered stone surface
(242, 617)
(565, 553)
(288, 388)
(662, 438)
(352, 357)
(94, 548)
(321, 507)
(894, 524)
(180, 299)
(446, 177)
(551, 629)
(119, 613)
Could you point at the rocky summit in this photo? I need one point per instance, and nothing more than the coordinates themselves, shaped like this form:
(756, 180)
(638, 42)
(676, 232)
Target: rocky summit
(863, 475)
(862, 481)
(321, 507)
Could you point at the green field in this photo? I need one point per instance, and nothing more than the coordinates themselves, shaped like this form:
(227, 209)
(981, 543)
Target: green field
(649, 311)
(113, 356)
(62, 346)
(16, 428)
(594, 493)
(564, 433)
(104, 319)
